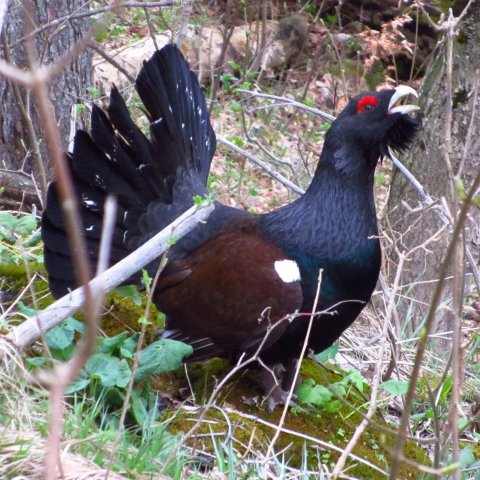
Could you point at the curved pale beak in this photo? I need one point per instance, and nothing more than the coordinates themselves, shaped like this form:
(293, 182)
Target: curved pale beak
(400, 92)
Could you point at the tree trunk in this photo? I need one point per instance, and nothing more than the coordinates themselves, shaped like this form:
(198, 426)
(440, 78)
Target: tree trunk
(426, 161)
(17, 139)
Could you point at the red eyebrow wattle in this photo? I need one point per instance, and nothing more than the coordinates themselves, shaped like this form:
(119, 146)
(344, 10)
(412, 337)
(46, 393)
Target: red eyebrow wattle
(363, 102)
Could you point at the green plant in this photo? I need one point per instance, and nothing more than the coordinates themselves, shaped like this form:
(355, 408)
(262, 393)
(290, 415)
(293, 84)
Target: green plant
(108, 371)
(93, 92)
(198, 200)
(228, 79)
(19, 238)
(329, 353)
(395, 387)
(328, 398)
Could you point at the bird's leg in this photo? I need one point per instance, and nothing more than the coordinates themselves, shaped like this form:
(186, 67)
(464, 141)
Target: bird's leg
(290, 368)
(271, 385)
(276, 382)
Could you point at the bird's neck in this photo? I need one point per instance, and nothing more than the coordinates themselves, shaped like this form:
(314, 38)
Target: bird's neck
(334, 218)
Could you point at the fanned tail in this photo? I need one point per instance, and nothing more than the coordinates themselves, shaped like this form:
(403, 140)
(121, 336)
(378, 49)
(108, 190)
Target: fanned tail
(153, 179)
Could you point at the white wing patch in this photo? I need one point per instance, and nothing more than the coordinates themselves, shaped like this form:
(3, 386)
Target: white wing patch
(287, 270)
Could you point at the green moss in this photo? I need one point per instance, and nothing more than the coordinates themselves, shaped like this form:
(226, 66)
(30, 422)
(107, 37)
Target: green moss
(15, 278)
(123, 314)
(14, 275)
(336, 428)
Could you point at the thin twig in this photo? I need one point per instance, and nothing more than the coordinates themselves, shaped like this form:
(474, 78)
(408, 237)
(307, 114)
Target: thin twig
(113, 62)
(337, 53)
(227, 33)
(186, 7)
(276, 175)
(458, 255)
(44, 74)
(310, 438)
(428, 201)
(151, 28)
(243, 361)
(377, 377)
(59, 378)
(90, 13)
(288, 101)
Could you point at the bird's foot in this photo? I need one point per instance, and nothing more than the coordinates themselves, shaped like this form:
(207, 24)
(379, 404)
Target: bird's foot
(278, 396)
(273, 387)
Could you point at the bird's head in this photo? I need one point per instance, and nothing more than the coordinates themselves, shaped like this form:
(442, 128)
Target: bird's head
(368, 126)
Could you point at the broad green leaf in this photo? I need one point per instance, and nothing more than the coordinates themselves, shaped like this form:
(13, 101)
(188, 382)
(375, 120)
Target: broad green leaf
(7, 220)
(234, 65)
(75, 324)
(338, 389)
(64, 354)
(395, 387)
(127, 350)
(309, 392)
(138, 405)
(109, 345)
(60, 337)
(35, 362)
(77, 385)
(130, 291)
(25, 225)
(355, 378)
(110, 371)
(328, 354)
(124, 374)
(161, 356)
(332, 406)
(467, 457)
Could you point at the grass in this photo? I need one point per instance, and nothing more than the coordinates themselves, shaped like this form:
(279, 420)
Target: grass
(89, 433)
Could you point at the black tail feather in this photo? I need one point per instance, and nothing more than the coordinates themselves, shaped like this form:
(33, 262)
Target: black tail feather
(177, 111)
(91, 165)
(153, 180)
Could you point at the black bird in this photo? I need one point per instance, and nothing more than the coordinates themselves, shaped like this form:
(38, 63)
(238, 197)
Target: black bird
(231, 278)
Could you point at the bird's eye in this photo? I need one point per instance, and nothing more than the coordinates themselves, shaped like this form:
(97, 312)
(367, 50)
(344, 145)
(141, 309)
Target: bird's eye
(366, 104)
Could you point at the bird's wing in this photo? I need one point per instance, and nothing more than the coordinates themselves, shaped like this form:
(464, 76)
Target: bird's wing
(225, 296)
